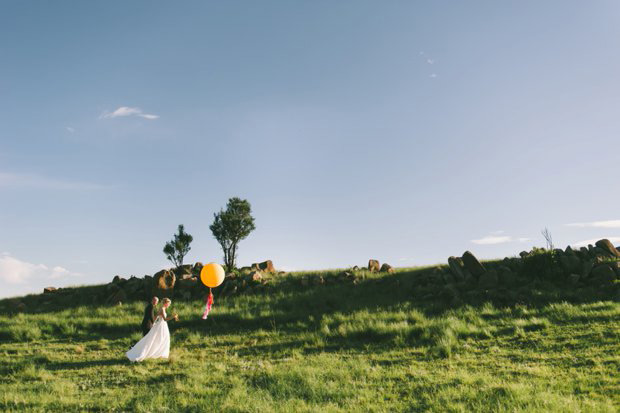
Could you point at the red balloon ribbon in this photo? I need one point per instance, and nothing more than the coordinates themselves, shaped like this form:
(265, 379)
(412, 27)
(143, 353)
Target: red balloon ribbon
(208, 306)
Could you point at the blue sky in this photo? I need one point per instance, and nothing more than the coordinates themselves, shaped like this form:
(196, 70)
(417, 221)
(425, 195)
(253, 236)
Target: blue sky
(401, 131)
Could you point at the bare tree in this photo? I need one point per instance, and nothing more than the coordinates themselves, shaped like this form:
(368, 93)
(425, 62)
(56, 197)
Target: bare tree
(547, 234)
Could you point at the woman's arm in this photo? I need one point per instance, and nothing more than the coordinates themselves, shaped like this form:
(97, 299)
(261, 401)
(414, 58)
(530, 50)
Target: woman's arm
(162, 313)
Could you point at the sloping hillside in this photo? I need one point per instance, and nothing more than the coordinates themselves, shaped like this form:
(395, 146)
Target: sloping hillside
(328, 341)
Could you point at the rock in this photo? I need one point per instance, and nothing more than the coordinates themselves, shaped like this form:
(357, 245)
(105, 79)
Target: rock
(600, 252)
(457, 268)
(182, 272)
(186, 283)
(387, 268)
(586, 268)
(265, 266)
(573, 279)
(447, 278)
(506, 276)
(616, 267)
(197, 268)
(488, 279)
(472, 264)
(48, 290)
(449, 292)
(607, 246)
(256, 276)
(570, 263)
(603, 274)
(373, 266)
(164, 282)
(467, 275)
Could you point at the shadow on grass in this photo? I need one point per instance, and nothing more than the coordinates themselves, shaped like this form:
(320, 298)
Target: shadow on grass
(295, 308)
(77, 365)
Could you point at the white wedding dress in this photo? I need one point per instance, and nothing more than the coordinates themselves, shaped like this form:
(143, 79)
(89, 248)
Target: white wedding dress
(155, 344)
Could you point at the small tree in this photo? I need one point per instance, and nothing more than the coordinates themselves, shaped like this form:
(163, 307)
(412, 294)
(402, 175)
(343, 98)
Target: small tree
(231, 226)
(178, 247)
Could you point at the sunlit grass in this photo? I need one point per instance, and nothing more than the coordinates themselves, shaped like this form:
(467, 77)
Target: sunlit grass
(341, 347)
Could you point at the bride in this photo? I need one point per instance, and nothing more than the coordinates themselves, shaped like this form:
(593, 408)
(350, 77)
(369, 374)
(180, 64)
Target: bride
(156, 343)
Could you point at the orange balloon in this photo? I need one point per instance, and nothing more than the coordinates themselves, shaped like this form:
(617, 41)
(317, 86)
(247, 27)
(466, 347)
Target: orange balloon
(212, 275)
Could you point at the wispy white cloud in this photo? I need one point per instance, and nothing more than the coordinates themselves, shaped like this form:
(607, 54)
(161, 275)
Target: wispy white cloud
(430, 61)
(124, 111)
(15, 271)
(492, 239)
(496, 238)
(615, 223)
(13, 180)
(586, 242)
(70, 129)
(433, 75)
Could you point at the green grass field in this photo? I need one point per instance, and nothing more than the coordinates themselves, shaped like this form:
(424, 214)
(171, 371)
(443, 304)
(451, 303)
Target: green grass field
(371, 346)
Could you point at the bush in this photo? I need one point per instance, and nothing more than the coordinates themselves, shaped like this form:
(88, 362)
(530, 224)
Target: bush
(542, 264)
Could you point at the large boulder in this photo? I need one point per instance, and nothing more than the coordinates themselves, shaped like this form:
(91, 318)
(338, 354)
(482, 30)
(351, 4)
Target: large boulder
(163, 282)
(265, 266)
(506, 276)
(255, 276)
(387, 268)
(488, 279)
(570, 263)
(472, 264)
(373, 266)
(182, 272)
(606, 245)
(457, 268)
(186, 283)
(602, 274)
(586, 268)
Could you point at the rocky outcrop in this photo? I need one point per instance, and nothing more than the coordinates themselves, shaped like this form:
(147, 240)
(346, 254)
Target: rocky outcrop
(608, 247)
(373, 266)
(265, 266)
(163, 283)
(387, 268)
(472, 264)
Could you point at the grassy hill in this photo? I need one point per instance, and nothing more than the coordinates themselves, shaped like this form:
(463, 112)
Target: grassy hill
(380, 343)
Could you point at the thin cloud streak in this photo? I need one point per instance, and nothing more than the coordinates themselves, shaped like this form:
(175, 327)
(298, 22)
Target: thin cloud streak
(125, 111)
(491, 240)
(497, 239)
(615, 223)
(587, 242)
